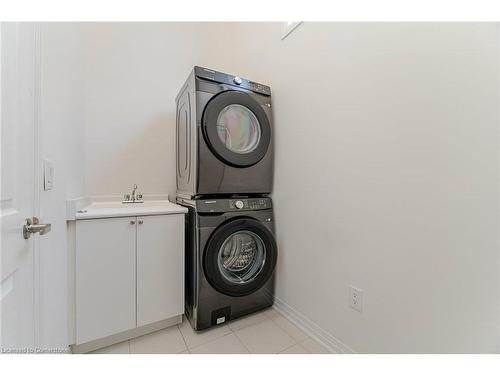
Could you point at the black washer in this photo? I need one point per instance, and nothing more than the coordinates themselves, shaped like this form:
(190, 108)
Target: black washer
(215, 242)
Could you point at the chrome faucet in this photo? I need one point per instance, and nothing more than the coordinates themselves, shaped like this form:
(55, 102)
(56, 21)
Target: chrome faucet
(133, 192)
(133, 198)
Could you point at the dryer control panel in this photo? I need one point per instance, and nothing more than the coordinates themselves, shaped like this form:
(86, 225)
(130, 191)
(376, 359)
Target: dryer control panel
(233, 204)
(232, 80)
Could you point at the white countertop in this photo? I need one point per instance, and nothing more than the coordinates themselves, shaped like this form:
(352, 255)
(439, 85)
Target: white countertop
(97, 210)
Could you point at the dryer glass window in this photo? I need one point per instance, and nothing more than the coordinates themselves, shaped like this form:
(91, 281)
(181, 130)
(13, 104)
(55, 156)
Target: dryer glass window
(241, 257)
(238, 129)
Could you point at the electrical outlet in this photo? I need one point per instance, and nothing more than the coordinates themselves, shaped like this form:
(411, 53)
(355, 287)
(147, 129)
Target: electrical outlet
(355, 298)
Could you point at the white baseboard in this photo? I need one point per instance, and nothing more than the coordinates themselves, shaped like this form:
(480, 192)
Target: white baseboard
(328, 341)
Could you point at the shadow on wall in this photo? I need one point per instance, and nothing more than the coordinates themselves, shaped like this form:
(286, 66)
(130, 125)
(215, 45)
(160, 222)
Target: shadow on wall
(131, 162)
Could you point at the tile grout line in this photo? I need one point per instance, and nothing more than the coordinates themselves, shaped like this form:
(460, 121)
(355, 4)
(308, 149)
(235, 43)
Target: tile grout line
(245, 317)
(242, 343)
(183, 338)
(301, 330)
(283, 330)
(209, 341)
(234, 331)
(295, 342)
(289, 348)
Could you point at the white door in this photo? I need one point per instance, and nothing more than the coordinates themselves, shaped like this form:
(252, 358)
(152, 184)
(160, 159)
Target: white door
(160, 268)
(18, 201)
(105, 277)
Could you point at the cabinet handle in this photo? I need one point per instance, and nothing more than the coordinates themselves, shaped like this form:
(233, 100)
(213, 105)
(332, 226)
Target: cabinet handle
(141, 222)
(132, 222)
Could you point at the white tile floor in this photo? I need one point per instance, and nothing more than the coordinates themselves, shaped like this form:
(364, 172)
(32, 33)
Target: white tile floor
(263, 332)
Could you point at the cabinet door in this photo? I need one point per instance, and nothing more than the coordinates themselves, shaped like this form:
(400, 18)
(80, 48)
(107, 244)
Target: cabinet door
(105, 277)
(160, 268)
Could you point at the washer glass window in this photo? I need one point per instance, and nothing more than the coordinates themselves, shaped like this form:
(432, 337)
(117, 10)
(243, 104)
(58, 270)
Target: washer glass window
(241, 257)
(238, 129)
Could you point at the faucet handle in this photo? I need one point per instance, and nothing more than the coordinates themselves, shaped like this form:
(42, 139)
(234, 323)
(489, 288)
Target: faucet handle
(126, 197)
(139, 196)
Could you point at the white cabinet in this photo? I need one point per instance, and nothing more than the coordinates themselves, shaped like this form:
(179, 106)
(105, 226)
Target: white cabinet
(105, 277)
(160, 268)
(129, 273)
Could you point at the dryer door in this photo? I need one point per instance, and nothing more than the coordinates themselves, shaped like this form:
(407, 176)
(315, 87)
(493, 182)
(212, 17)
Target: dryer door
(240, 257)
(236, 128)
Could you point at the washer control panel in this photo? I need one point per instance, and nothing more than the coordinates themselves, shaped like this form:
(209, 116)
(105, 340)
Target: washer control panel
(233, 204)
(250, 204)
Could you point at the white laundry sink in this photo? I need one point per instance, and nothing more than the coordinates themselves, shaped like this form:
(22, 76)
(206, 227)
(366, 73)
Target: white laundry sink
(97, 210)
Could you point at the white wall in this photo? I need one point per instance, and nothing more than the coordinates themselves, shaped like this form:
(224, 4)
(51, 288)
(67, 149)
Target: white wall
(134, 71)
(386, 161)
(62, 91)
(386, 176)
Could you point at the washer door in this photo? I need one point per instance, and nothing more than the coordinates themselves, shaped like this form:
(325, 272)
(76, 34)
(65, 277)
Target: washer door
(240, 257)
(236, 128)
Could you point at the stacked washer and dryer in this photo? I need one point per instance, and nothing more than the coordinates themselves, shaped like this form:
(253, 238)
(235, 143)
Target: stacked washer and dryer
(224, 175)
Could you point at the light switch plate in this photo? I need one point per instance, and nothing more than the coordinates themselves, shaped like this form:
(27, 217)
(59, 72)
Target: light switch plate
(48, 174)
